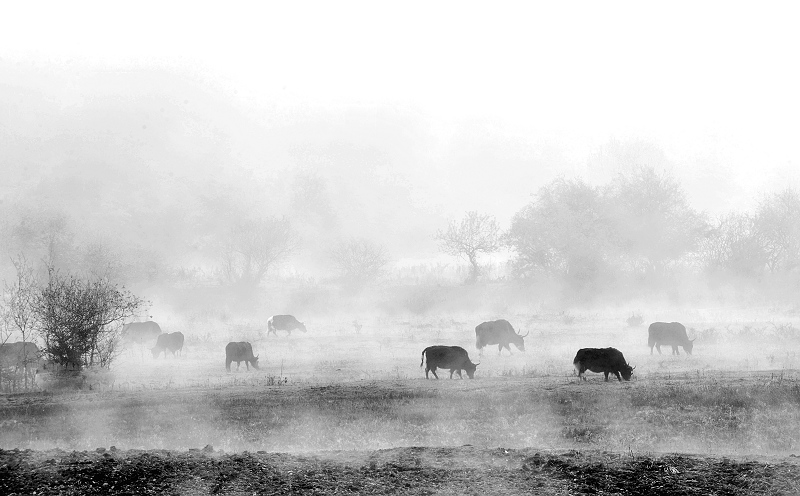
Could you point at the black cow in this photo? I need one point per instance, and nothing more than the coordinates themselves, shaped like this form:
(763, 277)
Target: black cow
(605, 360)
(239, 352)
(140, 332)
(499, 332)
(172, 341)
(454, 358)
(669, 334)
(283, 323)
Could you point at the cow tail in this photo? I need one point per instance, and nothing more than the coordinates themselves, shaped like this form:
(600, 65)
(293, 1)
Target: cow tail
(423, 357)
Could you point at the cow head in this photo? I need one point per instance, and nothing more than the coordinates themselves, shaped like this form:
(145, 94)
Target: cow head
(517, 340)
(626, 372)
(688, 346)
(254, 362)
(470, 367)
(302, 327)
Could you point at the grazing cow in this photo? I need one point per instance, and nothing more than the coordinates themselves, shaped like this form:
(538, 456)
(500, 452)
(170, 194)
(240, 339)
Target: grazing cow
(669, 334)
(499, 332)
(172, 341)
(22, 355)
(140, 332)
(605, 360)
(239, 352)
(454, 358)
(283, 323)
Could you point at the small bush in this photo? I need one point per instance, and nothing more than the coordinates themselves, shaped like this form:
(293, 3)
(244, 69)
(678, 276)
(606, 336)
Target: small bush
(709, 336)
(635, 320)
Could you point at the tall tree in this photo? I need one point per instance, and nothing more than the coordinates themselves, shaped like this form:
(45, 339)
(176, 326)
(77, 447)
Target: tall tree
(17, 314)
(733, 247)
(253, 246)
(474, 234)
(777, 224)
(563, 231)
(359, 260)
(653, 224)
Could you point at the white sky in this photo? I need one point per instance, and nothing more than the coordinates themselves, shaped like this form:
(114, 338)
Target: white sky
(710, 82)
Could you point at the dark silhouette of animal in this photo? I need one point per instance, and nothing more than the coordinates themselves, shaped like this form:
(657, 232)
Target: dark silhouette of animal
(605, 360)
(669, 334)
(454, 358)
(172, 341)
(239, 352)
(283, 323)
(141, 332)
(499, 332)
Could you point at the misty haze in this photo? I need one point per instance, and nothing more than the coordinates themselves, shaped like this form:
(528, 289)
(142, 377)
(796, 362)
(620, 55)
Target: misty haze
(415, 249)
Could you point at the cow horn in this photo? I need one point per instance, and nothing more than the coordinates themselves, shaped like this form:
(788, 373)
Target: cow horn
(477, 364)
(520, 335)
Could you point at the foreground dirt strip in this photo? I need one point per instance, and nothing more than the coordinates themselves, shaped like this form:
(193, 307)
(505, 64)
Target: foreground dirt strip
(462, 470)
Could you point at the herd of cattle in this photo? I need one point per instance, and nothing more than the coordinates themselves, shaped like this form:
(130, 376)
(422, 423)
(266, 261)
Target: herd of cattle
(26, 356)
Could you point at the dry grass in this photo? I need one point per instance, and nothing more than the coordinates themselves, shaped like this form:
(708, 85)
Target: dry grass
(345, 387)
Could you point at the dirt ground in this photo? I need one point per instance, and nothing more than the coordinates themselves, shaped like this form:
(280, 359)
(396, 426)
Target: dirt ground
(415, 470)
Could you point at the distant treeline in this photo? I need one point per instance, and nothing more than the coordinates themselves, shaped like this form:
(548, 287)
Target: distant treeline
(642, 224)
(638, 227)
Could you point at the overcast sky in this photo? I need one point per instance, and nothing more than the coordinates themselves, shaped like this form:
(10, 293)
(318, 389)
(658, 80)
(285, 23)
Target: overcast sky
(525, 92)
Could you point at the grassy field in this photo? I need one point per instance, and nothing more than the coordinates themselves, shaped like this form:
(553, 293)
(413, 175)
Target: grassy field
(357, 387)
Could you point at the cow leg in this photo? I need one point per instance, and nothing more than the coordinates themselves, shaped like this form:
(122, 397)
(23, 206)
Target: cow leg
(606, 374)
(228, 365)
(618, 376)
(675, 350)
(433, 370)
(459, 374)
(658, 347)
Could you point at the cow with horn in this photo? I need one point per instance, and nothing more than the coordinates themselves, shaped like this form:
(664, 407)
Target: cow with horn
(499, 332)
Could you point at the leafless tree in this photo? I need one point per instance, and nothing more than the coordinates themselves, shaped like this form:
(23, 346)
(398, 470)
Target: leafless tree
(80, 319)
(733, 247)
(16, 313)
(253, 246)
(359, 260)
(474, 234)
(777, 224)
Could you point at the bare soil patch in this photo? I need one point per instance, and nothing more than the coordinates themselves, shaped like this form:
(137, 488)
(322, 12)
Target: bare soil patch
(415, 470)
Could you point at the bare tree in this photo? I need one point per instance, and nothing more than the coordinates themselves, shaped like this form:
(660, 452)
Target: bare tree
(733, 247)
(17, 316)
(359, 260)
(79, 319)
(254, 246)
(475, 234)
(777, 223)
(44, 234)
